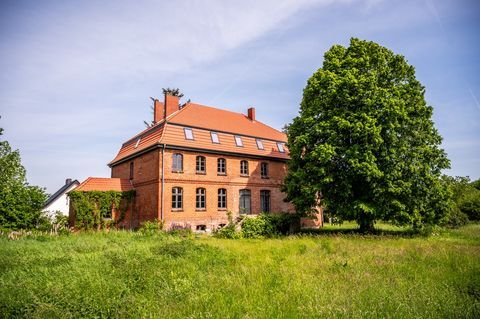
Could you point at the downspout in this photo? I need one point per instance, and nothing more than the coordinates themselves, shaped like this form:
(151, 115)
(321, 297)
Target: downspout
(163, 182)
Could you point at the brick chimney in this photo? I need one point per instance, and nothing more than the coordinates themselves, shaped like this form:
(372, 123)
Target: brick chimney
(158, 110)
(251, 113)
(171, 104)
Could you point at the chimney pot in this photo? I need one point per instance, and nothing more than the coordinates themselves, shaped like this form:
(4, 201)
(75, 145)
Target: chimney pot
(68, 181)
(251, 113)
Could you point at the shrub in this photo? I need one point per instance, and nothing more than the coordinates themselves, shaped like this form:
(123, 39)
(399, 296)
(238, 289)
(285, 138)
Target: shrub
(151, 227)
(455, 218)
(228, 232)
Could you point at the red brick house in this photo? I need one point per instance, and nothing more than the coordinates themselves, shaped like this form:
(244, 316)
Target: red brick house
(196, 163)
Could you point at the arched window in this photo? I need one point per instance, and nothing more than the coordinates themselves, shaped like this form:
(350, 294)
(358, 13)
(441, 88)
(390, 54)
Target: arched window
(244, 168)
(222, 198)
(177, 198)
(264, 170)
(177, 162)
(222, 166)
(265, 201)
(245, 201)
(201, 199)
(201, 165)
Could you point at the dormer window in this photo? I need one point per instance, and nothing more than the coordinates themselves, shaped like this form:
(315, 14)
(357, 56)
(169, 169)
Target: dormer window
(214, 137)
(238, 141)
(188, 133)
(260, 145)
(280, 147)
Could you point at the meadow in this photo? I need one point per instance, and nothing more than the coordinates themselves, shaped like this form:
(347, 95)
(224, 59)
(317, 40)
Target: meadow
(332, 274)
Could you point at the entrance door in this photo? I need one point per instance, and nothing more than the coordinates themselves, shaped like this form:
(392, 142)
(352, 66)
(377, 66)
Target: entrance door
(245, 201)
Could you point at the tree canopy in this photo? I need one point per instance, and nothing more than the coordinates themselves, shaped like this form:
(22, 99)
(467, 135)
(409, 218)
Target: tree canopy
(20, 203)
(364, 144)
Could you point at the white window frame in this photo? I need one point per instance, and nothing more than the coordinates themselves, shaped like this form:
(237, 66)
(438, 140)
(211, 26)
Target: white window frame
(281, 147)
(260, 144)
(215, 138)
(238, 141)
(188, 133)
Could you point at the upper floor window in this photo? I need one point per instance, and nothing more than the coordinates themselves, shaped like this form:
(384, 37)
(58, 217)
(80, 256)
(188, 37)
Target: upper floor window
(131, 170)
(222, 166)
(177, 162)
(260, 145)
(244, 168)
(222, 198)
(238, 141)
(214, 137)
(177, 198)
(281, 147)
(200, 199)
(200, 165)
(264, 170)
(188, 133)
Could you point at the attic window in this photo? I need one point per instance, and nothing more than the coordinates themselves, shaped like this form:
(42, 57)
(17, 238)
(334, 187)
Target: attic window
(188, 133)
(238, 141)
(260, 145)
(214, 136)
(137, 143)
(281, 149)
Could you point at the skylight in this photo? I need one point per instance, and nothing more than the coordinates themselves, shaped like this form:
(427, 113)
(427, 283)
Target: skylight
(214, 136)
(260, 145)
(281, 149)
(137, 143)
(188, 133)
(238, 141)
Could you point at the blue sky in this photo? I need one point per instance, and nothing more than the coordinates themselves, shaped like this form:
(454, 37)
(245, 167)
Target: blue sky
(76, 76)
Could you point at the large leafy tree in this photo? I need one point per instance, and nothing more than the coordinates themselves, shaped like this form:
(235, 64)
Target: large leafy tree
(364, 144)
(20, 203)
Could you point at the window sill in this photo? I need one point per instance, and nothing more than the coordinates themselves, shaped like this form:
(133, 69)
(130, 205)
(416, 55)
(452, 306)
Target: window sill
(177, 210)
(221, 174)
(201, 173)
(222, 209)
(265, 177)
(200, 209)
(244, 175)
(177, 172)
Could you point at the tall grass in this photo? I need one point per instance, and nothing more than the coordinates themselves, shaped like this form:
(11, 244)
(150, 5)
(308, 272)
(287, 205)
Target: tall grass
(133, 275)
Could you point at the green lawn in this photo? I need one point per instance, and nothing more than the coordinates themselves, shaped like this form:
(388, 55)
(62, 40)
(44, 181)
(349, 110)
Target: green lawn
(331, 275)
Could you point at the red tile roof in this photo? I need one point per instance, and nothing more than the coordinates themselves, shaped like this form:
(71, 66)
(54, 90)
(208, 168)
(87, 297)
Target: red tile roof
(105, 184)
(203, 120)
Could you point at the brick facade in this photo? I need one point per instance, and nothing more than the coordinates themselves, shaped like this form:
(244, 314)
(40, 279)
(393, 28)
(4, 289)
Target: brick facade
(147, 181)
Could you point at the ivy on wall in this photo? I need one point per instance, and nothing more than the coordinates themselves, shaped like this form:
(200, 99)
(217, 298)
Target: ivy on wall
(93, 209)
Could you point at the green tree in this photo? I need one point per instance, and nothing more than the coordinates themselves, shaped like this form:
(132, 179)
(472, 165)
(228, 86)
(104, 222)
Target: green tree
(364, 143)
(20, 203)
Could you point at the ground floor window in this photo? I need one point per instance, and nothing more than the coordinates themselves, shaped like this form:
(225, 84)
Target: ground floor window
(177, 198)
(265, 200)
(222, 198)
(245, 201)
(200, 199)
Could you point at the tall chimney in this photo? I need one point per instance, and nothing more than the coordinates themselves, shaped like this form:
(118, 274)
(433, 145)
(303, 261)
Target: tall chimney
(171, 104)
(158, 110)
(251, 113)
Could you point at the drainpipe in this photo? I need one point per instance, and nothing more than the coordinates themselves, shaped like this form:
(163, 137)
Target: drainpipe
(163, 181)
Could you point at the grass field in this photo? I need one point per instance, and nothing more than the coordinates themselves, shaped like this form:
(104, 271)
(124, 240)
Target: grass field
(331, 275)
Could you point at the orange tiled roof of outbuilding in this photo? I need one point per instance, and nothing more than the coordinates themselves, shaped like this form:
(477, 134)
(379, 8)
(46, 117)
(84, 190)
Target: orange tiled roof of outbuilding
(105, 184)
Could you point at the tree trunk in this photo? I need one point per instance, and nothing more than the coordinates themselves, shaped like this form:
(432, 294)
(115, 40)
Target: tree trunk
(366, 223)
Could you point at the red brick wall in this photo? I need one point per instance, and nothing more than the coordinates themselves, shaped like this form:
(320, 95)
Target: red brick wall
(146, 183)
(189, 180)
